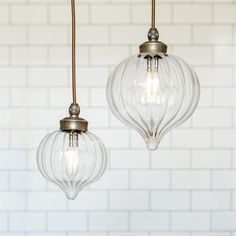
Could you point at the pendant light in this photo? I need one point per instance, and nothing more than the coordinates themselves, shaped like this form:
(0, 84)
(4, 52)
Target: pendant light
(153, 91)
(72, 157)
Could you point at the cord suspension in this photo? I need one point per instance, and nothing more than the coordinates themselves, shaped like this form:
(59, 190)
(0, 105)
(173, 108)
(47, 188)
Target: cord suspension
(153, 14)
(73, 51)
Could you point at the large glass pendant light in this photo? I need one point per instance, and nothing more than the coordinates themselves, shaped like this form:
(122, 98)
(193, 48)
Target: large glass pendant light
(153, 91)
(72, 157)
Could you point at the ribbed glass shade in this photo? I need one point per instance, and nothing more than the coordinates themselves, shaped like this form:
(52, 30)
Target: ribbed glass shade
(153, 94)
(71, 160)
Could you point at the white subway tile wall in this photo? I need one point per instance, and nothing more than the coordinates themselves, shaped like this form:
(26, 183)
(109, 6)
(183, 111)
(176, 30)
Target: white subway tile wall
(186, 188)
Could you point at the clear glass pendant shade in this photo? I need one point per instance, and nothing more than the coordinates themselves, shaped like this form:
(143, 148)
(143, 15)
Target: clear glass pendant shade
(153, 94)
(71, 160)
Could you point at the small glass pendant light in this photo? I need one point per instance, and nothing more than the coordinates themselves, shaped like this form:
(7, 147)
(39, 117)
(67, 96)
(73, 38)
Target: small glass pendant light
(72, 157)
(153, 92)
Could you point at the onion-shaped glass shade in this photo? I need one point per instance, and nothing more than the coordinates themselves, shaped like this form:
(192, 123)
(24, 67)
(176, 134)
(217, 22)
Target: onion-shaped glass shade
(153, 94)
(71, 160)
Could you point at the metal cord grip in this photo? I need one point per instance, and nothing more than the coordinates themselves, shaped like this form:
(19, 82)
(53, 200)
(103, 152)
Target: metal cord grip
(153, 45)
(74, 123)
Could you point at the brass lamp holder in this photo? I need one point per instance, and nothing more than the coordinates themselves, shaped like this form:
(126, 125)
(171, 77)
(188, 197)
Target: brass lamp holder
(153, 45)
(74, 123)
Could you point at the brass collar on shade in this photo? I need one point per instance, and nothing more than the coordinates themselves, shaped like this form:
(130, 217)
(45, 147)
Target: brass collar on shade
(153, 47)
(73, 124)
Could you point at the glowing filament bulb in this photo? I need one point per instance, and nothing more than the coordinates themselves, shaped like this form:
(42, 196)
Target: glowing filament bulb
(153, 93)
(72, 161)
(71, 156)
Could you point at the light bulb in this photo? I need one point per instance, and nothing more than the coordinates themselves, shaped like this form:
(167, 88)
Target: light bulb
(152, 93)
(72, 161)
(71, 156)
